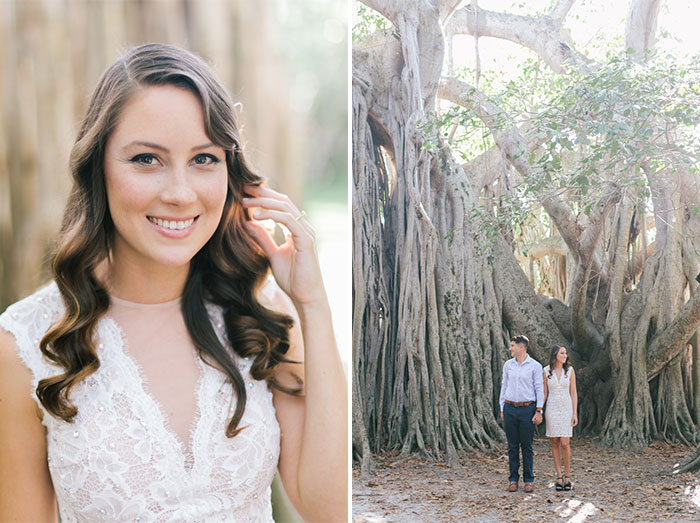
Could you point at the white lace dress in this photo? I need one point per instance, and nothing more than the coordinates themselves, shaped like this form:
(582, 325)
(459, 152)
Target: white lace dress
(559, 409)
(119, 461)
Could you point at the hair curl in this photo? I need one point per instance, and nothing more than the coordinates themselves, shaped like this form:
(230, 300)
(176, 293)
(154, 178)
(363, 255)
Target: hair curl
(227, 271)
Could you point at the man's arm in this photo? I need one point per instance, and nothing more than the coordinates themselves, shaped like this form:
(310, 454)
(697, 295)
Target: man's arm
(538, 381)
(538, 377)
(504, 384)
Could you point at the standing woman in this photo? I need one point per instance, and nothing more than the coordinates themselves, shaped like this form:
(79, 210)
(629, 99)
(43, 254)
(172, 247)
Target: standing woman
(164, 375)
(561, 411)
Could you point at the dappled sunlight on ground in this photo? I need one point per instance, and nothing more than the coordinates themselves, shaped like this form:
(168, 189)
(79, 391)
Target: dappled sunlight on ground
(694, 494)
(576, 510)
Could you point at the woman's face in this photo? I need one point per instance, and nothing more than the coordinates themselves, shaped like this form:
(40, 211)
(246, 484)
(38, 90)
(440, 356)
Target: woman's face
(166, 182)
(562, 355)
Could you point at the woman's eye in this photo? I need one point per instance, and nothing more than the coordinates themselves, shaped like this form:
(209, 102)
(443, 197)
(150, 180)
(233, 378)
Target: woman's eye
(205, 159)
(144, 159)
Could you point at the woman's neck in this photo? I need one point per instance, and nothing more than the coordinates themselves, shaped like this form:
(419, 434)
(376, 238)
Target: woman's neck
(140, 285)
(558, 365)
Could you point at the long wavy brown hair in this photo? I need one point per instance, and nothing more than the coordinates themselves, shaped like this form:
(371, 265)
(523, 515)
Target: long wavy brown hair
(553, 351)
(227, 271)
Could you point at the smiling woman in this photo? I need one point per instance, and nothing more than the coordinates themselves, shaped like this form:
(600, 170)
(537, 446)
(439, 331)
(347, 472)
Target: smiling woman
(170, 369)
(165, 181)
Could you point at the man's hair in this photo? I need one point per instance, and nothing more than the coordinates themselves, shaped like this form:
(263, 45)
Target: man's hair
(521, 338)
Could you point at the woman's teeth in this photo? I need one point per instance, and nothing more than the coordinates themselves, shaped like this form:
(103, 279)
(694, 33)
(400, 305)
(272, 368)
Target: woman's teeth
(173, 225)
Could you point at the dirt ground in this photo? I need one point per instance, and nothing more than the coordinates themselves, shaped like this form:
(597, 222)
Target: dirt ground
(607, 486)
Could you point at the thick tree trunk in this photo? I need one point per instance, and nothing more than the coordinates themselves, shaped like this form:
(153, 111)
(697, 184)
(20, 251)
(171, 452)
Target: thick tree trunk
(450, 300)
(445, 339)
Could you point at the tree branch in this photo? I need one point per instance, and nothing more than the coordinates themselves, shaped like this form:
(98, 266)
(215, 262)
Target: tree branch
(505, 133)
(560, 10)
(389, 9)
(586, 336)
(447, 8)
(511, 142)
(513, 145)
(640, 27)
(551, 246)
(590, 236)
(485, 168)
(669, 342)
(564, 220)
(541, 35)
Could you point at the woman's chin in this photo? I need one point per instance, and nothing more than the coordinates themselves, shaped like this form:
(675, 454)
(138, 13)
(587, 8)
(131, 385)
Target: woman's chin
(177, 262)
(173, 260)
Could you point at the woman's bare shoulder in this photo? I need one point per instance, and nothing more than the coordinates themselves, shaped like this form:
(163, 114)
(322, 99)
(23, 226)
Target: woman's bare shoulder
(10, 362)
(15, 377)
(26, 492)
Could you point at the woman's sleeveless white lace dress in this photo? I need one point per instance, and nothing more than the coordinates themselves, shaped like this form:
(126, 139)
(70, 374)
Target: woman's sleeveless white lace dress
(559, 410)
(119, 461)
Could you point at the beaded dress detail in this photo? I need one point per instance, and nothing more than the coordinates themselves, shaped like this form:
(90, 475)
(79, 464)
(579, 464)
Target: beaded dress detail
(119, 460)
(559, 408)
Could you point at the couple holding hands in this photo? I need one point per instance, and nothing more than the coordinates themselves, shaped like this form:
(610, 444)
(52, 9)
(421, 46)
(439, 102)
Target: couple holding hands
(524, 390)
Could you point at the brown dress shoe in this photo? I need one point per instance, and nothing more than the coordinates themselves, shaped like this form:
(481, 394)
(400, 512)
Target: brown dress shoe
(513, 486)
(528, 487)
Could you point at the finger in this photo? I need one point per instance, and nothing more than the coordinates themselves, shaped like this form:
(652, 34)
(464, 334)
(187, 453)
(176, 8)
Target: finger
(264, 191)
(262, 236)
(300, 232)
(264, 196)
(282, 205)
(271, 203)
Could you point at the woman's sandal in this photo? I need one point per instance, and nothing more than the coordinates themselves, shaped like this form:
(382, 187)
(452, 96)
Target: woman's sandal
(567, 484)
(558, 485)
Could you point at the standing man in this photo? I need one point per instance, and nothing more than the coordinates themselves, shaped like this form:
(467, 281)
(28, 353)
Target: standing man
(522, 398)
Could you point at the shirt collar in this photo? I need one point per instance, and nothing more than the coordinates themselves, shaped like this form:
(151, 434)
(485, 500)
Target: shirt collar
(526, 360)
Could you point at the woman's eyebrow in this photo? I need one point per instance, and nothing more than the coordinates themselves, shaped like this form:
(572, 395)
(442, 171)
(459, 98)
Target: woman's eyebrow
(163, 148)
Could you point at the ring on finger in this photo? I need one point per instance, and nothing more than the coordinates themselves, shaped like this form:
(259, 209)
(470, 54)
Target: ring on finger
(302, 214)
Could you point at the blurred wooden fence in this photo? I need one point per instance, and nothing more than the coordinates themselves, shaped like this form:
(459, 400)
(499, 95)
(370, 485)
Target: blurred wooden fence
(51, 55)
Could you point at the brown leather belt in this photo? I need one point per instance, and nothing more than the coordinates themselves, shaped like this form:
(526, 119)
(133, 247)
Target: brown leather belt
(520, 403)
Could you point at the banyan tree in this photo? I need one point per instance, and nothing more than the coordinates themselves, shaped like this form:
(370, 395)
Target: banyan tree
(572, 217)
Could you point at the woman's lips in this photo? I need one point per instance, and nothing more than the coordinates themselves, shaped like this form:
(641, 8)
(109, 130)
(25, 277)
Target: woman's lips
(173, 227)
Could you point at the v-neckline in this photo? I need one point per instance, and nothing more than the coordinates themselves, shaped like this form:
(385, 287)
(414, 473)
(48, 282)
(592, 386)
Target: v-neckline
(561, 374)
(186, 450)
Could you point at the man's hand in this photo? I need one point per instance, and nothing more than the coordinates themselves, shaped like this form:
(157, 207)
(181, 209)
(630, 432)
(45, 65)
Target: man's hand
(502, 416)
(537, 418)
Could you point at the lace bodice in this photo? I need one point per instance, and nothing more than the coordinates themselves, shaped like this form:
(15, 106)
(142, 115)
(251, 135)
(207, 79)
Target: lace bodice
(119, 461)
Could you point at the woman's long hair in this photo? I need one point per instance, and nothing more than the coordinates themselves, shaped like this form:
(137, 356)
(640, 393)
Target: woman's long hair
(553, 358)
(227, 271)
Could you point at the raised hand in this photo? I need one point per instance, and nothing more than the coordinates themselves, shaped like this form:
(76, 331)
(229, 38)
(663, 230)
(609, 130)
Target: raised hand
(294, 263)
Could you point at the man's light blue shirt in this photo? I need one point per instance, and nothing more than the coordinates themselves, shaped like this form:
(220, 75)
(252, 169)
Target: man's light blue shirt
(522, 382)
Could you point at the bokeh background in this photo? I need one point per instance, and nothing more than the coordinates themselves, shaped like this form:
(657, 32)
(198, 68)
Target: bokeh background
(285, 62)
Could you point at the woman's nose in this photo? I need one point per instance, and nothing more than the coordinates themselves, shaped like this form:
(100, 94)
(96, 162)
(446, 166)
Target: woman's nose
(178, 189)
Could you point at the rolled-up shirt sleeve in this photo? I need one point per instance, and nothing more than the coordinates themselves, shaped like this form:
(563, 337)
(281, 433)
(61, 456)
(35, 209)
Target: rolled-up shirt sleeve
(504, 385)
(539, 385)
